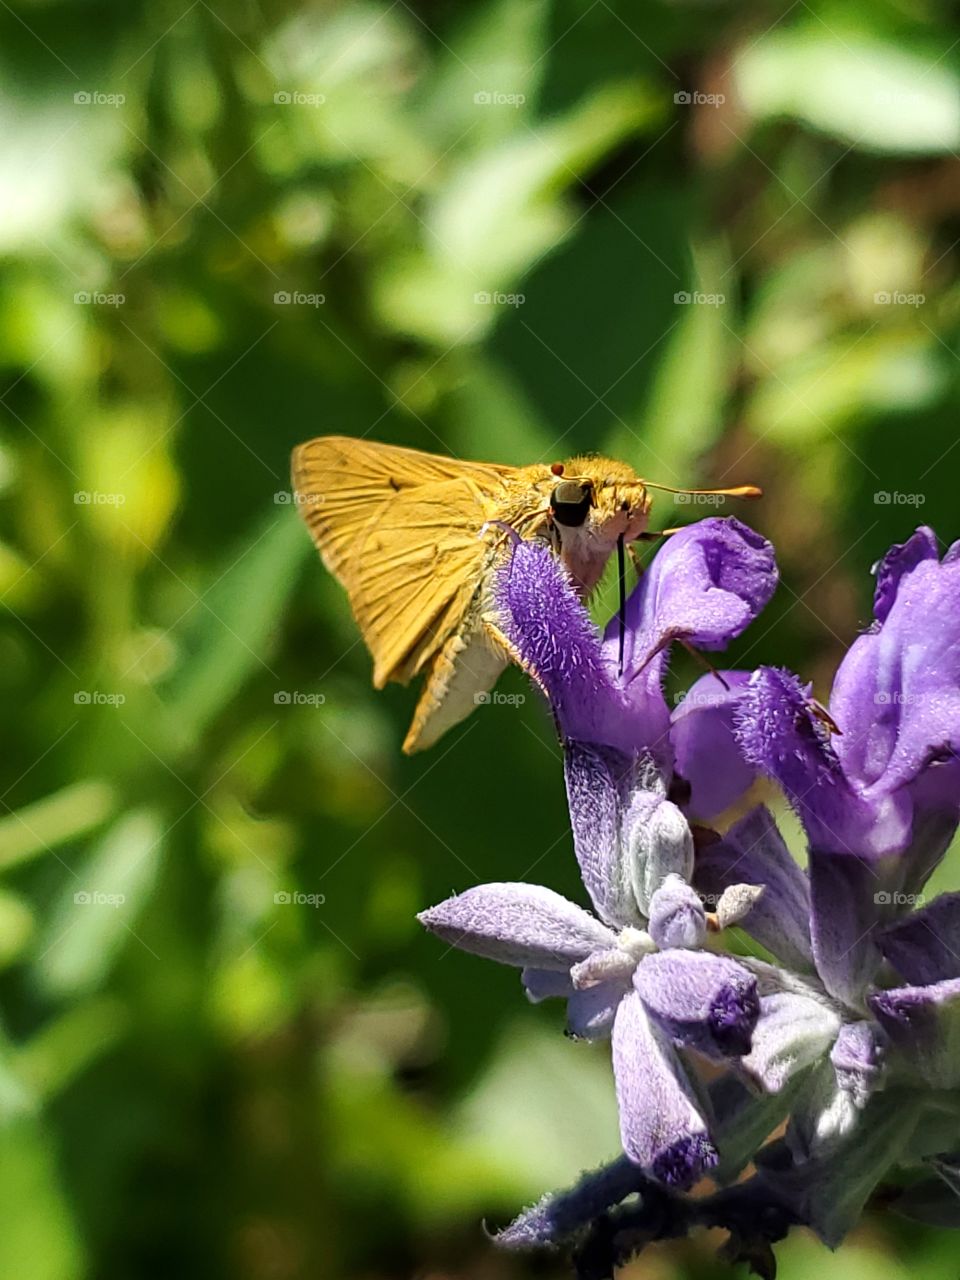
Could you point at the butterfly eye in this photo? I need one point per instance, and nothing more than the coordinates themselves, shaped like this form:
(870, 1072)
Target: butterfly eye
(570, 502)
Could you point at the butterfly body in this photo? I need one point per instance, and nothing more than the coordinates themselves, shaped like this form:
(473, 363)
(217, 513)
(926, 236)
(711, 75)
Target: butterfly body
(415, 539)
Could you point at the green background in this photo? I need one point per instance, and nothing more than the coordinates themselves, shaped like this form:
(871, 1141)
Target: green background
(201, 1081)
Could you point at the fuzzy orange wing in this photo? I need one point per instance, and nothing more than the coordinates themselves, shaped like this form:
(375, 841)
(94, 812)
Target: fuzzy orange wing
(400, 530)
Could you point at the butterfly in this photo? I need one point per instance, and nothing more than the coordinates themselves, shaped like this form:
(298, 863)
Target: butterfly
(416, 538)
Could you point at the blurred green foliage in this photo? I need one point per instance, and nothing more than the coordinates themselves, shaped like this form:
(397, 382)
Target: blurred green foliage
(226, 228)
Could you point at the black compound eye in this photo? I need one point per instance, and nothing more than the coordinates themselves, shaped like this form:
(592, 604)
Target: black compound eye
(570, 502)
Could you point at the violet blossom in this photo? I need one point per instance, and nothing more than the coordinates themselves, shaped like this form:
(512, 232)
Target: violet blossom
(639, 970)
(848, 1027)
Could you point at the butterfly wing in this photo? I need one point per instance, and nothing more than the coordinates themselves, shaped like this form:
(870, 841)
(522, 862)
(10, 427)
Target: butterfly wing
(399, 529)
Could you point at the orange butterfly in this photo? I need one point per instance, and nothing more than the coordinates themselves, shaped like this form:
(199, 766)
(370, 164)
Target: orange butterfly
(402, 531)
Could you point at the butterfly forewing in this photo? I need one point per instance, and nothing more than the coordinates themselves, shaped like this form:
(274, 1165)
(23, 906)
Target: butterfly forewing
(400, 529)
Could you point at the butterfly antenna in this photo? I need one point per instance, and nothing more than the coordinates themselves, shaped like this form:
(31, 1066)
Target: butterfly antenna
(622, 613)
(738, 491)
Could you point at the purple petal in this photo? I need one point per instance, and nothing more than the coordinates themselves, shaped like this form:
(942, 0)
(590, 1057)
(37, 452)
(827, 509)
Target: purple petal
(657, 843)
(520, 924)
(590, 1013)
(792, 1033)
(703, 1001)
(706, 753)
(823, 1114)
(934, 796)
(614, 965)
(753, 851)
(781, 735)
(660, 1124)
(596, 778)
(543, 617)
(857, 1057)
(705, 586)
(898, 563)
(923, 1024)
(677, 917)
(627, 838)
(897, 692)
(546, 984)
(848, 898)
(924, 946)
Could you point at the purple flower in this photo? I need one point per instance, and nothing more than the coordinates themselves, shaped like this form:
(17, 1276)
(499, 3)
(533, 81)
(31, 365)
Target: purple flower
(847, 1033)
(620, 755)
(652, 989)
(880, 799)
(705, 585)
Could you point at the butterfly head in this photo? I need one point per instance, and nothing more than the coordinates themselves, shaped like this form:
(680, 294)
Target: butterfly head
(593, 503)
(604, 500)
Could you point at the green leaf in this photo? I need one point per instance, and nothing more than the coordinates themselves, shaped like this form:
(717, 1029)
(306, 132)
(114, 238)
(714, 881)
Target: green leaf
(499, 212)
(98, 910)
(875, 95)
(66, 815)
